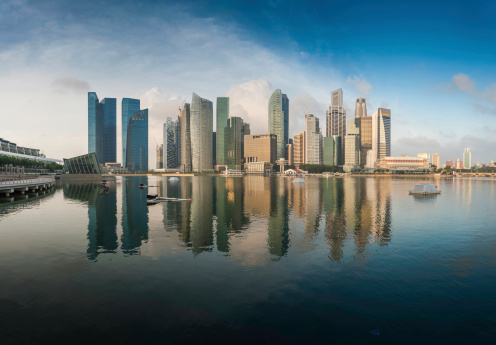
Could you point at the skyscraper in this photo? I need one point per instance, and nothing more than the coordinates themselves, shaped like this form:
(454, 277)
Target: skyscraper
(381, 133)
(436, 160)
(313, 140)
(234, 134)
(172, 145)
(137, 141)
(279, 120)
(260, 148)
(336, 119)
(467, 158)
(299, 148)
(352, 146)
(102, 128)
(361, 107)
(201, 122)
(160, 156)
(364, 124)
(129, 107)
(222, 110)
(185, 136)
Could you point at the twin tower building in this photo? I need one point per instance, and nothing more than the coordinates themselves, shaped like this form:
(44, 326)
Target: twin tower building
(190, 143)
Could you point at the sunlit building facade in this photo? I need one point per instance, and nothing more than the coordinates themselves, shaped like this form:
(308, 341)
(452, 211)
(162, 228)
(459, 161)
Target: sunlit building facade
(260, 148)
(364, 125)
(279, 120)
(201, 125)
(360, 107)
(352, 146)
(313, 152)
(381, 133)
(299, 148)
(172, 144)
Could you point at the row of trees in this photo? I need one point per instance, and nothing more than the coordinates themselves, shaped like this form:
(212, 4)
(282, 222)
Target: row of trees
(28, 163)
(319, 168)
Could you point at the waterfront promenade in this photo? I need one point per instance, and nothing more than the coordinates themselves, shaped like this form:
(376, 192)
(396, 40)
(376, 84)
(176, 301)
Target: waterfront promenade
(11, 184)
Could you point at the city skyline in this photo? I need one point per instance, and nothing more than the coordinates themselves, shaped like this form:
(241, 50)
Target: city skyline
(53, 58)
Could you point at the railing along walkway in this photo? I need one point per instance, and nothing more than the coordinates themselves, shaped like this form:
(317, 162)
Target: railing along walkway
(18, 182)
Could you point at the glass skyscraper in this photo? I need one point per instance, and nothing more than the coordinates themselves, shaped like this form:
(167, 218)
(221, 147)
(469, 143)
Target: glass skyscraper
(129, 107)
(381, 133)
(172, 145)
(234, 134)
(185, 137)
(222, 116)
(102, 128)
(336, 120)
(201, 124)
(137, 141)
(279, 120)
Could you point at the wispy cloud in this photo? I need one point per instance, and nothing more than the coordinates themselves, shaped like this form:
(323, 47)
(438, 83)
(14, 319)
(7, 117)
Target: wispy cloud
(361, 85)
(70, 84)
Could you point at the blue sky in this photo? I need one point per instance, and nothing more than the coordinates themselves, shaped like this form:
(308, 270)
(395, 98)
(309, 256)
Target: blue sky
(433, 64)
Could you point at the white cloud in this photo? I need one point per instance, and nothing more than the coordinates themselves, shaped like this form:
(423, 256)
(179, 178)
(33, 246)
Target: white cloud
(463, 83)
(361, 85)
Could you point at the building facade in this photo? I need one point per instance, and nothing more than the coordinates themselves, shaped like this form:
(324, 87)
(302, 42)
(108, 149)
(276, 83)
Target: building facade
(160, 156)
(381, 133)
(360, 107)
(450, 164)
(336, 119)
(352, 146)
(102, 128)
(467, 158)
(172, 144)
(222, 112)
(436, 160)
(234, 143)
(260, 148)
(137, 141)
(185, 138)
(313, 152)
(299, 148)
(402, 163)
(201, 124)
(128, 107)
(425, 156)
(279, 120)
(364, 125)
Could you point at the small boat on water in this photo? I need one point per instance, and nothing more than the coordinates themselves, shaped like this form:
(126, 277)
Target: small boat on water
(155, 199)
(298, 180)
(173, 179)
(143, 186)
(425, 189)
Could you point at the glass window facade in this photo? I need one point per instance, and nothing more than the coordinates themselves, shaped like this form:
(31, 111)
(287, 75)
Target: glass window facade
(109, 140)
(102, 128)
(234, 134)
(222, 110)
(279, 120)
(172, 144)
(201, 124)
(137, 142)
(129, 107)
(185, 138)
(85, 164)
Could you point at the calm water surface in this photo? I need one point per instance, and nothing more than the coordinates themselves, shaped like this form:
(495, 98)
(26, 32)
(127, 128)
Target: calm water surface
(251, 259)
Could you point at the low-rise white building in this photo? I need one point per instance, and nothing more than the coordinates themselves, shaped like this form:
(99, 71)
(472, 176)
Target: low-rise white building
(403, 163)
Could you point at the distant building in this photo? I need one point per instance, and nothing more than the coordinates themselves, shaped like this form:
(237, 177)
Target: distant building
(172, 144)
(290, 153)
(336, 119)
(360, 107)
(260, 148)
(450, 164)
(381, 133)
(279, 120)
(458, 164)
(352, 146)
(299, 148)
(185, 138)
(402, 163)
(102, 128)
(222, 110)
(425, 156)
(137, 141)
(234, 134)
(467, 158)
(364, 123)
(436, 160)
(160, 156)
(201, 125)
(313, 152)
(128, 107)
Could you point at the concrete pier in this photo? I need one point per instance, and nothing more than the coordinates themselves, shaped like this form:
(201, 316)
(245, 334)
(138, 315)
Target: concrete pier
(10, 185)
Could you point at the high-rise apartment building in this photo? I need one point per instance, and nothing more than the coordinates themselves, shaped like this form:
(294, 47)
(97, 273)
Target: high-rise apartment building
(313, 151)
(234, 134)
(467, 158)
(222, 110)
(352, 146)
(360, 107)
(160, 156)
(364, 124)
(137, 141)
(279, 120)
(260, 148)
(201, 124)
(128, 107)
(336, 118)
(436, 160)
(102, 128)
(381, 133)
(299, 148)
(185, 138)
(172, 144)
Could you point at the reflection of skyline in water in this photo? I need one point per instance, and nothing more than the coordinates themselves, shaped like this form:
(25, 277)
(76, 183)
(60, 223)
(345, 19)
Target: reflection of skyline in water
(244, 217)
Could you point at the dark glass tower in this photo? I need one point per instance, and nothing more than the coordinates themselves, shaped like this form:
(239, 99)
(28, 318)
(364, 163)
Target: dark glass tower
(137, 141)
(129, 107)
(102, 128)
(222, 116)
(279, 120)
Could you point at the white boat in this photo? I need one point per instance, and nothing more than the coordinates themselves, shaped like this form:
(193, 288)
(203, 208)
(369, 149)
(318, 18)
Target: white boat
(298, 180)
(425, 189)
(155, 199)
(172, 179)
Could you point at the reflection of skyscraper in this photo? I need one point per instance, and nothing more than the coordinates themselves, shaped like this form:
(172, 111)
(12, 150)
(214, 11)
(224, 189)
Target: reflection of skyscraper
(129, 107)
(102, 128)
(333, 202)
(279, 120)
(201, 234)
(279, 218)
(201, 124)
(134, 215)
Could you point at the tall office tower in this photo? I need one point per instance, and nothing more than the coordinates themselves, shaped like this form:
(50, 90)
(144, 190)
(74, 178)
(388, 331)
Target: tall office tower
(279, 120)
(160, 156)
(364, 123)
(336, 119)
(381, 133)
(222, 116)
(260, 148)
(436, 160)
(214, 148)
(201, 124)
(234, 134)
(352, 146)
(129, 107)
(426, 156)
(467, 158)
(185, 137)
(137, 141)
(361, 107)
(299, 148)
(328, 151)
(102, 128)
(172, 144)
(313, 152)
